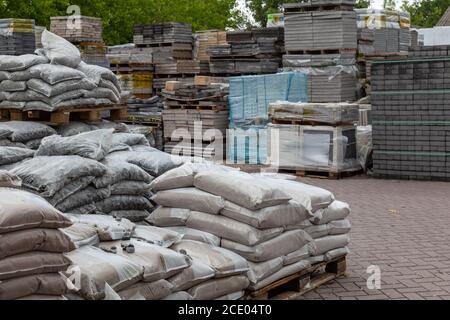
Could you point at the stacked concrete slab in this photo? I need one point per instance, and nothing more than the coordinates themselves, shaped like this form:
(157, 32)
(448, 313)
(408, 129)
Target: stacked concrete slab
(17, 36)
(411, 120)
(320, 35)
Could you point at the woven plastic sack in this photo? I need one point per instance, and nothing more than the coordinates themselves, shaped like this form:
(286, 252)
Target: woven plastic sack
(43, 240)
(130, 139)
(118, 127)
(323, 245)
(82, 234)
(124, 202)
(232, 296)
(92, 145)
(317, 231)
(240, 188)
(8, 180)
(147, 291)
(10, 155)
(9, 143)
(197, 273)
(22, 210)
(99, 268)
(196, 235)
(132, 215)
(282, 245)
(26, 131)
(102, 93)
(12, 86)
(282, 215)
(53, 74)
(5, 133)
(48, 175)
(4, 75)
(217, 288)
(18, 63)
(70, 189)
(130, 188)
(230, 229)
(159, 236)
(96, 73)
(224, 262)
(190, 198)
(179, 296)
(260, 271)
(299, 255)
(336, 253)
(72, 129)
(44, 284)
(158, 262)
(60, 51)
(108, 228)
(47, 90)
(169, 217)
(87, 209)
(339, 227)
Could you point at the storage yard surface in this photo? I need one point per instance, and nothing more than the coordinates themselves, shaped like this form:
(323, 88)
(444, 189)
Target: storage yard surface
(393, 228)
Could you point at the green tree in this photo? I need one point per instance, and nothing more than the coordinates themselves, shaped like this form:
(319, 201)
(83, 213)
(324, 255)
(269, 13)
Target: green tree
(426, 13)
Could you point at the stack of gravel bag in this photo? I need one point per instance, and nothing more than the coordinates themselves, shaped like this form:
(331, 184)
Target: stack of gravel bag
(23, 134)
(31, 245)
(245, 214)
(54, 78)
(329, 226)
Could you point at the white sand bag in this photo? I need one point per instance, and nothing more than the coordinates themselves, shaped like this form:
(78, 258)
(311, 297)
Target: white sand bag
(260, 271)
(336, 253)
(43, 284)
(190, 198)
(339, 227)
(154, 235)
(338, 210)
(82, 234)
(197, 235)
(230, 229)
(240, 188)
(282, 245)
(299, 255)
(99, 268)
(318, 231)
(147, 291)
(282, 215)
(158, 262)
(197, 273)
(179, 296)
(169, 217)
(60, 51)
(224, 262)
(323, 245)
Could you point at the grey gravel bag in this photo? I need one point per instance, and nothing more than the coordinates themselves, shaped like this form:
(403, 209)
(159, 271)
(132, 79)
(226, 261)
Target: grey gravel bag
(10, 155)
(18, 63)
(339, 227)
(26, 131)
(92, 145)
(60, 51)
(335, 211)
(73, 187)
(230, 229)
(53, 74)
(96, 73)
(33, 144)
(336, 253)
(102, 93)
(115, 203)
(4, 75)
(190, 198)
(130, 139)
(323, 245)
(49, 91)
(130, 188)
(132, 215)
(48, 175)
(9, 143)
(12, 86)
(118, 127)
(5, 133)
(282, 245)
(90, 195)
(72, 129)
(8, 180)
(240, 188)
(119, 170)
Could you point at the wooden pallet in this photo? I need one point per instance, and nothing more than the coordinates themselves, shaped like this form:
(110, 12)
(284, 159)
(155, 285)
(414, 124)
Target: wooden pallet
(300, 283)
(65, 115)
(322, 174)
(300, 122)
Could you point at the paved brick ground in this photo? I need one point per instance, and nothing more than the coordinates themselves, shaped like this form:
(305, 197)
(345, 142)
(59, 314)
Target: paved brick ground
(401, 226)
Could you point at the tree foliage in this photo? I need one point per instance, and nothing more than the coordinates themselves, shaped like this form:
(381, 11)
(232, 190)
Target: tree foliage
(119, 16)
(426, 13)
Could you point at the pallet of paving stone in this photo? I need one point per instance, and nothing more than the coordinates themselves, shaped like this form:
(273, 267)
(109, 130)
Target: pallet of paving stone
(318, 5)
(163, 33)
(207, 39)
(77, 28)
(189, 119)
(297, 285)
(17, 36)
(205, 150)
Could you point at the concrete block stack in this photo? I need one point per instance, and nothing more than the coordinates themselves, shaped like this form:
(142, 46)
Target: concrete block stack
(86, 34)
(206, 39)
(411, 131)
(321, 40)
(17, 36)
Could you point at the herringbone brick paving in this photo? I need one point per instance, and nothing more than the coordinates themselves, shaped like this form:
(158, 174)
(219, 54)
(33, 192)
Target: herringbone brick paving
(401, 226)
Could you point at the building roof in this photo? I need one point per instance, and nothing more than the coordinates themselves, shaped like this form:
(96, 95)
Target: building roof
(445, 20)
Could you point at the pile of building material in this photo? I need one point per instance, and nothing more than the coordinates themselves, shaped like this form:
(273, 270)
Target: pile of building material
(382, 34)
(313, 137)
(321, 41)
(33, 245)
(410, 117)
(249, 101)
(84, 32)
(206, 39)
(196, 115)
(168, 42)
(17, 36)
(257, 51)
(38, 36)
(280, 227)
